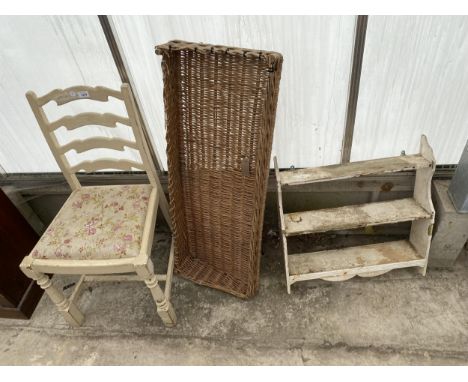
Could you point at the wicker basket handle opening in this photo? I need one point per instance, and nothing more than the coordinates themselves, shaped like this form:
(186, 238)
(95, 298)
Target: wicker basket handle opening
(245, 165)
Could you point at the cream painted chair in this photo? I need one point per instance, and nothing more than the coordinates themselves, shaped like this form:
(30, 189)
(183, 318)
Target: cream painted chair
(103, 233)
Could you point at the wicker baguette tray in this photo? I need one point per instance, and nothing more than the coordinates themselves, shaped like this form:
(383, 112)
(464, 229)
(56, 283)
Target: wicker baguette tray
(220, 106)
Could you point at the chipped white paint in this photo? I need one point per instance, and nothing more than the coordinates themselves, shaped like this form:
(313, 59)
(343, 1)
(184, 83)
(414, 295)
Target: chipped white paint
(314, 82)
(369, 260)
(355, 216)
(414, 81)
(380, 257)
(353, 169)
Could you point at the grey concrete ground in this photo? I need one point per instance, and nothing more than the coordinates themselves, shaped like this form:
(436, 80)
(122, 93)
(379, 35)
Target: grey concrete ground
(398, 318)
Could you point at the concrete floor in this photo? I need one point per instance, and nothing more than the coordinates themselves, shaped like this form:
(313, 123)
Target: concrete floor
(399, 318)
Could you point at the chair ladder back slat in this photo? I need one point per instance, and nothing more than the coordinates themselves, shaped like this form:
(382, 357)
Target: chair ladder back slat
(74, 93)
(85, 119)
(52, 141)
(82, 145)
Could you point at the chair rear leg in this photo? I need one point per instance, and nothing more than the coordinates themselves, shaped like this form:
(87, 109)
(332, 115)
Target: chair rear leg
(163, 305)
(68, 309)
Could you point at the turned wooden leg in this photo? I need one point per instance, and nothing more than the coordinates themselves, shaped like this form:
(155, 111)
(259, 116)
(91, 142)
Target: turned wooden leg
(164, 306)
(68, 309)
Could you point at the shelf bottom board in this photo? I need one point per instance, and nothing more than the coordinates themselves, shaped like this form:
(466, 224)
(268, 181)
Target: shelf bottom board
(353, 260)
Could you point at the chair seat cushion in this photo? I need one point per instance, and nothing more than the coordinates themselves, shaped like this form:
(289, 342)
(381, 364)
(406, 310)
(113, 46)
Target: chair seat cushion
(97, 223)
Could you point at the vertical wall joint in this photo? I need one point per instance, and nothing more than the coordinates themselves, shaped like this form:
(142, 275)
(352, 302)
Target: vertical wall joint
(124, 77)
(353, 92)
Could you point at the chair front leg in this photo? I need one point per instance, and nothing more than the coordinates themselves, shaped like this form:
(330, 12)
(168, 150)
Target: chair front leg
(68, 309)
(163, 305)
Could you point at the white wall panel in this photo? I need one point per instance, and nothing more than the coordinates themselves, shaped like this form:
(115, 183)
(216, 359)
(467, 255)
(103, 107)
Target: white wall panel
(42, 53)
(414, 80)
(314, 85)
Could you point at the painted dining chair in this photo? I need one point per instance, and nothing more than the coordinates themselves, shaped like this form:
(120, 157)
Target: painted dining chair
(103, 233)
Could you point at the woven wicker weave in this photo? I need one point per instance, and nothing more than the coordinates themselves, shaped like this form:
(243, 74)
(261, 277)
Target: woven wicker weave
(220, 105)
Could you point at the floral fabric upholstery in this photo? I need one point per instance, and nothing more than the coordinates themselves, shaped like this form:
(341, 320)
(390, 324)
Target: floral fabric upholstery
(99, 222)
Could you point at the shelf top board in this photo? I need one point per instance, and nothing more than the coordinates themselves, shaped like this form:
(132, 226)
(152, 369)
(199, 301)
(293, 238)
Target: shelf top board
(353, 169)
